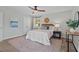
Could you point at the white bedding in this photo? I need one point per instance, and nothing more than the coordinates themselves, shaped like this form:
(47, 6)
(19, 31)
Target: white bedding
(41, 36)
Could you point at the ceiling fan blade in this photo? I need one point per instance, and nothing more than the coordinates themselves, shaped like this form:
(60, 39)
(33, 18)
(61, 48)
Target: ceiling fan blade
(41, 10)
(31, 8)
(35, 8)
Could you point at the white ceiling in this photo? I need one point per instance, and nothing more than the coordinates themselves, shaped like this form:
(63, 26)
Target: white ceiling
(52, 9)
(49, 9)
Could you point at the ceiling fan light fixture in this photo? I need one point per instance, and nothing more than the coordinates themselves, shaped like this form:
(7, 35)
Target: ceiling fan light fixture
(36, 9)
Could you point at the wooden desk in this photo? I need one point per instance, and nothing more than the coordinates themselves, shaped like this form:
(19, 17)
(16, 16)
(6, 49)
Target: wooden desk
(67, 37)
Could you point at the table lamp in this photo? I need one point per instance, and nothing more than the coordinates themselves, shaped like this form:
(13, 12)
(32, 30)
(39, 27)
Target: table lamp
(57, 25)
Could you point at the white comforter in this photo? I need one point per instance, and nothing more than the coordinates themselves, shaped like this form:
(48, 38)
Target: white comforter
(41, 36)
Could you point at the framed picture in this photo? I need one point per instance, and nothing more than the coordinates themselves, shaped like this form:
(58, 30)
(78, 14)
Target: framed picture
(14, 24)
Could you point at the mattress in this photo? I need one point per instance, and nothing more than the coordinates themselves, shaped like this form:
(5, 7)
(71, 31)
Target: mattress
(41, 36)
(49, 33)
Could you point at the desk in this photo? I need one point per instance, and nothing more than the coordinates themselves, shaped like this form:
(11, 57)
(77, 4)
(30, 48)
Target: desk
(67, 37)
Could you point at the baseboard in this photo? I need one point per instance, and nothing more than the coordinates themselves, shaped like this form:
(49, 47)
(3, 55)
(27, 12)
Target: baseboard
(12, 37)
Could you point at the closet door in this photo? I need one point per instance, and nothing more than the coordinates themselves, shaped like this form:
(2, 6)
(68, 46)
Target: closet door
(1, 26)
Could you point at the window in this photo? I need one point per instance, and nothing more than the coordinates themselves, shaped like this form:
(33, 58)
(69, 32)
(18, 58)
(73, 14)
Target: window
(36, 23)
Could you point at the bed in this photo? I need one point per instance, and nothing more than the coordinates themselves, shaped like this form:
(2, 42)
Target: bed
(41, 36)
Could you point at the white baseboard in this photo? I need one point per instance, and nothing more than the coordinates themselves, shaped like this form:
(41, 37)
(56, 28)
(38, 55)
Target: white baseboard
(5, 38)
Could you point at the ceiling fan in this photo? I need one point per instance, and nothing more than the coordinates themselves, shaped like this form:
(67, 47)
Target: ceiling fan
(36, 9)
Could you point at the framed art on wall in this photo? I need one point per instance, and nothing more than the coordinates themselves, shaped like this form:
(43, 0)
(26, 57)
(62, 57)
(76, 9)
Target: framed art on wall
(14, 24)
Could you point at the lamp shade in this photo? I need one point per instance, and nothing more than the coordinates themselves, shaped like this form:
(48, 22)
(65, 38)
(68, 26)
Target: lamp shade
(57, 25)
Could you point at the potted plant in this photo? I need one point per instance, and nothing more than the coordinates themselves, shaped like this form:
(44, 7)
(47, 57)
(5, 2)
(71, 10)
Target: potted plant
(72, 24)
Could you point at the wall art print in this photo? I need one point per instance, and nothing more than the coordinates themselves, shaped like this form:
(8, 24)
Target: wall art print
(14, 24)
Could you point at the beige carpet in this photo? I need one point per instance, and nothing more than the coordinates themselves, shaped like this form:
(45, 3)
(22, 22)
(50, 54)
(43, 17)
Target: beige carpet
(57, 44)
(6, 47)
(64, 47)
(23, 45)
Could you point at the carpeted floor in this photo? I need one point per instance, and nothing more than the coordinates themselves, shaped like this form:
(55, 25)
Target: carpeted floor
(64, 47)
(59, 45)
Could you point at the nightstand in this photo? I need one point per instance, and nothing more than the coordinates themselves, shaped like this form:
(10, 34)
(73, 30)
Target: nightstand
(57, 34)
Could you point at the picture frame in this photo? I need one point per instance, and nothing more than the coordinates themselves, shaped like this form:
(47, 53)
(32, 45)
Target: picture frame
(13, 24)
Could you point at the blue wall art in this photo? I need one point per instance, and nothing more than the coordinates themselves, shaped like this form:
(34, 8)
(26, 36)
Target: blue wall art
(14, 24)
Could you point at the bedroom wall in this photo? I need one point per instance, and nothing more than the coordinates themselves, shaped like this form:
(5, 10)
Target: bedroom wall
(1, 26)
(10, 32)
(27, 24)
(60, 18)
(8, 15)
